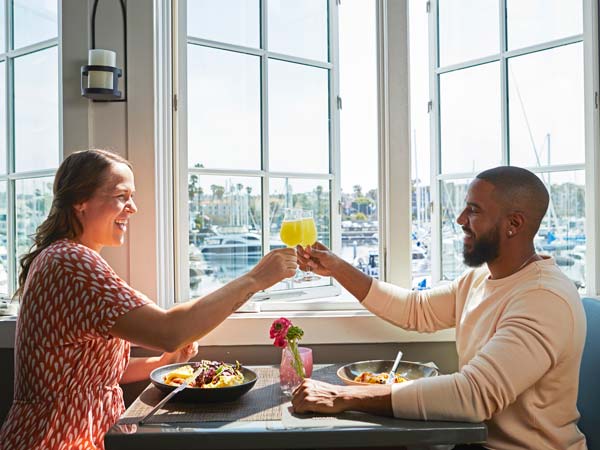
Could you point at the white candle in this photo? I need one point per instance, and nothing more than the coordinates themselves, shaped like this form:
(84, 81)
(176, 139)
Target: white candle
(100, 57)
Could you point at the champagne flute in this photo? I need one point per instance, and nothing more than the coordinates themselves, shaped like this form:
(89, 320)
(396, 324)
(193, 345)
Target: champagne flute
(309, 237)
(291, 230)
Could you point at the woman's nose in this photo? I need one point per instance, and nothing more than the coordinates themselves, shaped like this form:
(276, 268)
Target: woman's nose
(131, 206)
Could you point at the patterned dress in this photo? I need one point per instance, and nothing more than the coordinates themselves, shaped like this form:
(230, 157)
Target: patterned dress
(67, 366)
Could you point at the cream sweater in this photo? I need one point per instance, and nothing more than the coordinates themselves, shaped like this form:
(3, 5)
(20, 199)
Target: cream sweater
(519, 341)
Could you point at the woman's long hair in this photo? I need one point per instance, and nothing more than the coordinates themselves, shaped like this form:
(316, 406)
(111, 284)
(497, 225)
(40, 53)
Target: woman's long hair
(77, 178)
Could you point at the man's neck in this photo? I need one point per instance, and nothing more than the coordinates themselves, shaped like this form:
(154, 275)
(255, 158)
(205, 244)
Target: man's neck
(512, 261)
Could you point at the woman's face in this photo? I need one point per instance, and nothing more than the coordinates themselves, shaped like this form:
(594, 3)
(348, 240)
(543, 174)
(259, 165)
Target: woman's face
(105, 215)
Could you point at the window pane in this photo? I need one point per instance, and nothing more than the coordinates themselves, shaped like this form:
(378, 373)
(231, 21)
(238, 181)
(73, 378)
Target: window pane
(3, 240)
(298, 118)
(310, 195)
(420, 151)
(452, 194)
(223, 109)
(470, 119)
(467, 30)
(536, 21)
(298, 28)
(34, 21)
(359, 135)
(230, 21)
(36, 110)
(2, 27)
(562, 232)
(225, 229)
(33, 201)
(546, 109)
(3, 117)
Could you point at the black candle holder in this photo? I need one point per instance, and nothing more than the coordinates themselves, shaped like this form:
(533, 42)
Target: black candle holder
(102, 94)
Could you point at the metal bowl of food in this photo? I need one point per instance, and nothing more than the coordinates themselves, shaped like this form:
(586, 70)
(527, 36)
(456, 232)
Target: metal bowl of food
(376, 371)
(225, 392)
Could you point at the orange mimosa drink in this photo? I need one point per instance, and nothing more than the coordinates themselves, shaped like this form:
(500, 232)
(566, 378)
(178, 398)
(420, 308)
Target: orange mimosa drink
(309, 232)
(291, 232)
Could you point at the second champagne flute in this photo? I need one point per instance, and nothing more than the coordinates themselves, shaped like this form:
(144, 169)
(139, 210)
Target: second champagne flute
(309, 237)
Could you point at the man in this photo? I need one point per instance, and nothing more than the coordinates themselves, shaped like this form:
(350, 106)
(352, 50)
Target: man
(520, 327)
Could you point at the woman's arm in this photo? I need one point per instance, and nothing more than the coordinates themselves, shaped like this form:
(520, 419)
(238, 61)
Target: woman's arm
(153, 327)
(139, 369)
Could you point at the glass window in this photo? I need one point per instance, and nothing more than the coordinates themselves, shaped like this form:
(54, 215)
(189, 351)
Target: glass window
(546, 107)
(36, 110)
(298, 28)
(470, 119)
(34, 21)
(225, 229)
(3, 240)
(420, 149)
(230, 21)
(359, 147)
(536, 21)
(562, 232)
(452, 195)
(2, 26)
(298, 118)
(223, 95)
(33, 200)
(254, 119)
(3, 155)
(467, 30)
(29, 102)
(541, 93)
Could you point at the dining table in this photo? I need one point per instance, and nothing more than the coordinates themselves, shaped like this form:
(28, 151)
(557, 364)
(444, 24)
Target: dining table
(263, 419)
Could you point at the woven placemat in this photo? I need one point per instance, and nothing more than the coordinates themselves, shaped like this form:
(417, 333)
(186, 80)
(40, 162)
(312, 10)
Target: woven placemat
(262, 402)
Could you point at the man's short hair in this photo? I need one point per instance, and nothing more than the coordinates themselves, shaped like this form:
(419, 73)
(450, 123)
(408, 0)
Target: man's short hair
(518, 189)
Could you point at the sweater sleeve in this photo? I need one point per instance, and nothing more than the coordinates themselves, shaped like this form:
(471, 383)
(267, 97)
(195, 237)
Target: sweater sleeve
(423, 311)
(531, 335)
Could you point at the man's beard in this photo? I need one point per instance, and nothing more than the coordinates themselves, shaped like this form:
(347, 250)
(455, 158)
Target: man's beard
(485, 249)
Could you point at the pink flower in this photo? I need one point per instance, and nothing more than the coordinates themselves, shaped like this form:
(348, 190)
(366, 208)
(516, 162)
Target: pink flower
(288, 335)
(279, 329)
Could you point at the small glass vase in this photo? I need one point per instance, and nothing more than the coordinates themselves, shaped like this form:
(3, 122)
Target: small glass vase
(288, 377)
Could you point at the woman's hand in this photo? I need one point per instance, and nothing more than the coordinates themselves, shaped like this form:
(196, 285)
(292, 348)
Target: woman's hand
(184, 354)
(319, 258)
(274, 267)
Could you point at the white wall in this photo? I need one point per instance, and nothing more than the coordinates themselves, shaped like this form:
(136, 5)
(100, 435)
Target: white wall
(126, 128)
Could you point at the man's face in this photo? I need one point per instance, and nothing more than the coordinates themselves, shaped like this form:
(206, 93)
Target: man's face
(480, 221)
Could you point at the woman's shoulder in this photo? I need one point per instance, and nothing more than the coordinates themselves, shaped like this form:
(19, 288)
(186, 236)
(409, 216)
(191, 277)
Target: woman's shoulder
(66, 252)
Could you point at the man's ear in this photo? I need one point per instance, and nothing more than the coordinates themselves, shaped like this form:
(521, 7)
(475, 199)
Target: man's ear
(516, 220)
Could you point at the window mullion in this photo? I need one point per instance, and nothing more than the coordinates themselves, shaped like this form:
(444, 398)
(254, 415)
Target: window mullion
(335, 219)
(504, 136)
(10, 150)
(264, 111)
(434, 89)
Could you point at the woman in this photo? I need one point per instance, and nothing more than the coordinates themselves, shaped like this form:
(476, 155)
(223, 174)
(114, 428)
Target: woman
(78, 317)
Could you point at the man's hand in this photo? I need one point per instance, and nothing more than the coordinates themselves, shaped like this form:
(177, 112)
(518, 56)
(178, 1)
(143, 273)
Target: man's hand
(325, 398)
(184, 354)
(319, 258)
(319, 397)
(274, 267)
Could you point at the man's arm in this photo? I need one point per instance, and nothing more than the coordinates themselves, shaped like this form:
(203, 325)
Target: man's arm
(526, 345)
(423, 311)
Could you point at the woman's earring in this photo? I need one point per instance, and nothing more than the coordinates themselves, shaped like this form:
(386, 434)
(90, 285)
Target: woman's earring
(510, 233)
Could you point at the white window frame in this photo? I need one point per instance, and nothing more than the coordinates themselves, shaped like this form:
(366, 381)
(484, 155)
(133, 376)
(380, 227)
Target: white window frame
(11, 177)
(394, 137)
(589, 37)
(294, 299)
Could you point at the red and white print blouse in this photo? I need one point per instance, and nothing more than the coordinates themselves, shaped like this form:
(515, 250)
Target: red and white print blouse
(67, 366)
